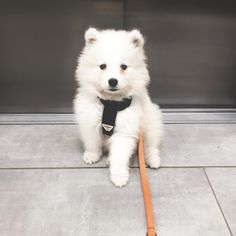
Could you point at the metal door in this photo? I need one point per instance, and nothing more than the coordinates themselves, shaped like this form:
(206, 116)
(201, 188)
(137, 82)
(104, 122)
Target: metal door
(191, 47)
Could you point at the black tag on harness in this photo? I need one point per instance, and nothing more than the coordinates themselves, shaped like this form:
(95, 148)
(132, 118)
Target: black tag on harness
(110, 111)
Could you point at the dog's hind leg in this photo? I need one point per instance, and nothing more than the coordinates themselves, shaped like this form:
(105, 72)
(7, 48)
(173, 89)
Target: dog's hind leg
(152, 134)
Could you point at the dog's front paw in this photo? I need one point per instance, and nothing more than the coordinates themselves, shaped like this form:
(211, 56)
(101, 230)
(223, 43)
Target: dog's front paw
(152, 158)
(91, 157)
(119, 177)
(108, 161)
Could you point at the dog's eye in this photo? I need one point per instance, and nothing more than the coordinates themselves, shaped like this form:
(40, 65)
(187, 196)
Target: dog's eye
(123, 67)
(103, 66)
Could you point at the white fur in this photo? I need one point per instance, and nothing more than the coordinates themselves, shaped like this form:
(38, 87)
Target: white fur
(114, 48)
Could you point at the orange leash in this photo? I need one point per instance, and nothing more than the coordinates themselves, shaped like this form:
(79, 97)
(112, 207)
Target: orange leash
(151, 231)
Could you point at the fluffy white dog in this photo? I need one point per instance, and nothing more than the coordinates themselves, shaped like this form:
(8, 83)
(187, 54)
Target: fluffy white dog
(112, 72)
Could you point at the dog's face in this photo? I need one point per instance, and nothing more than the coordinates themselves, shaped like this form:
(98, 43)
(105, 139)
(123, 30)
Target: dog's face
(113, 62)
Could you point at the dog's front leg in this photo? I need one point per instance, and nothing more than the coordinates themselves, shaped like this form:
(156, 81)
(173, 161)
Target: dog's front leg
(93, 146)
(121, 150)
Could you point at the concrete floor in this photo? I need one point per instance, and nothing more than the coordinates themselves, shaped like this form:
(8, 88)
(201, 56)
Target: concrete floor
(46, 189)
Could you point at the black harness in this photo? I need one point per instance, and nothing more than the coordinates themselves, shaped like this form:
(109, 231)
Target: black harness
(110, 111)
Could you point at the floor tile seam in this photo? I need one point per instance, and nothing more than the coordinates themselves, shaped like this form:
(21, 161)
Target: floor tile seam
(217, 201)
(105, 167)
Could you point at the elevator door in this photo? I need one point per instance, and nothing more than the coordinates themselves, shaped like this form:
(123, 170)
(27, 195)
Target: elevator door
(191, 49)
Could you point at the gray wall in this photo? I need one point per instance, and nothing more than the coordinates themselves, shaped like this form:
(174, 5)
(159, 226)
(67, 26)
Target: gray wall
(191, 46)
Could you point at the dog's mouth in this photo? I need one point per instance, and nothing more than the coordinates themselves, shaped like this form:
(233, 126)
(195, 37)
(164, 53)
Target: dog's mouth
(113, 89)
(110, 93)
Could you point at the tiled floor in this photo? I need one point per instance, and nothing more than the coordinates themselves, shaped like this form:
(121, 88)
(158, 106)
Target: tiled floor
(46, 189)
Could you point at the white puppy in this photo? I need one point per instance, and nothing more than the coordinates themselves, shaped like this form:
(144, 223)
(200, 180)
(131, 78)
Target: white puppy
(112, 67)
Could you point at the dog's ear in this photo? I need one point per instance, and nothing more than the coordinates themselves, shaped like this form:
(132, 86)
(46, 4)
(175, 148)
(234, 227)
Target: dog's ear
(90, 36)
(136, 38)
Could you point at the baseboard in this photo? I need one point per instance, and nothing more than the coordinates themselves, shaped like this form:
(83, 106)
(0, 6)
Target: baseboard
(170, 116)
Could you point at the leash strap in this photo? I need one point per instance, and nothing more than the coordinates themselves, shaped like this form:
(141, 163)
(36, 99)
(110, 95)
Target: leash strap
(110, 111)
(151, 231)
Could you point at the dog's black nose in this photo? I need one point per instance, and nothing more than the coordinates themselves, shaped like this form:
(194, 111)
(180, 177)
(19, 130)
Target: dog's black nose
(113, 82)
